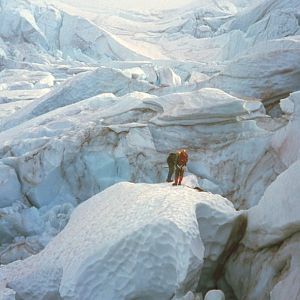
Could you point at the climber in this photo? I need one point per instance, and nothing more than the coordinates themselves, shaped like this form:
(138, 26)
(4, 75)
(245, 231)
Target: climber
(181, 161)
(171, 160)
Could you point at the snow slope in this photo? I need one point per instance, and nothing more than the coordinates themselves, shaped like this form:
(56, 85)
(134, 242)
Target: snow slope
(147, 240)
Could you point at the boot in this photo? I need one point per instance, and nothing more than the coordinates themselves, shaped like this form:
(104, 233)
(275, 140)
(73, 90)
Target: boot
(180, 179)
(176, 181)
(169, 179)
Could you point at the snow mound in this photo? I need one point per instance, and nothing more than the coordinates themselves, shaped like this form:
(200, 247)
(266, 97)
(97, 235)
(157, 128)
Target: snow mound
(130, 241)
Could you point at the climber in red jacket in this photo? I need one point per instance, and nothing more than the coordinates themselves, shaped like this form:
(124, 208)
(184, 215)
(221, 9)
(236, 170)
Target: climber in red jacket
(181, 161)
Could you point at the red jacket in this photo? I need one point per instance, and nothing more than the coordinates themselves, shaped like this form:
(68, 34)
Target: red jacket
(182, 158)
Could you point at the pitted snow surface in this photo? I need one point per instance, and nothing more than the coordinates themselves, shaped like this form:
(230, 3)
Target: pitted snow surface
(130, 241)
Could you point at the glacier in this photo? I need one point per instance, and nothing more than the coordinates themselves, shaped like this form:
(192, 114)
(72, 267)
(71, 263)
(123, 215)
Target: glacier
(94, 97)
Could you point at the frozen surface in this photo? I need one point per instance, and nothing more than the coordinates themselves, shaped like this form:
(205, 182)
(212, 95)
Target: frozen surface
(287, 140)
(156, 246)
(276, 217)
(203, 106)
(44, 31)
(270, 273)
(14, 96)
(83, 86)
(55, 151)
(26, 231)
(269, 254)
(69, 154)
(16, 79)
(260, 75)
(9, 185)
(7, 294)
(91, 96)
(7, 109)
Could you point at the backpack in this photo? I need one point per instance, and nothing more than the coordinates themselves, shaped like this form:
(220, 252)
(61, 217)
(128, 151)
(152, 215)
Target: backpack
(182, 158)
